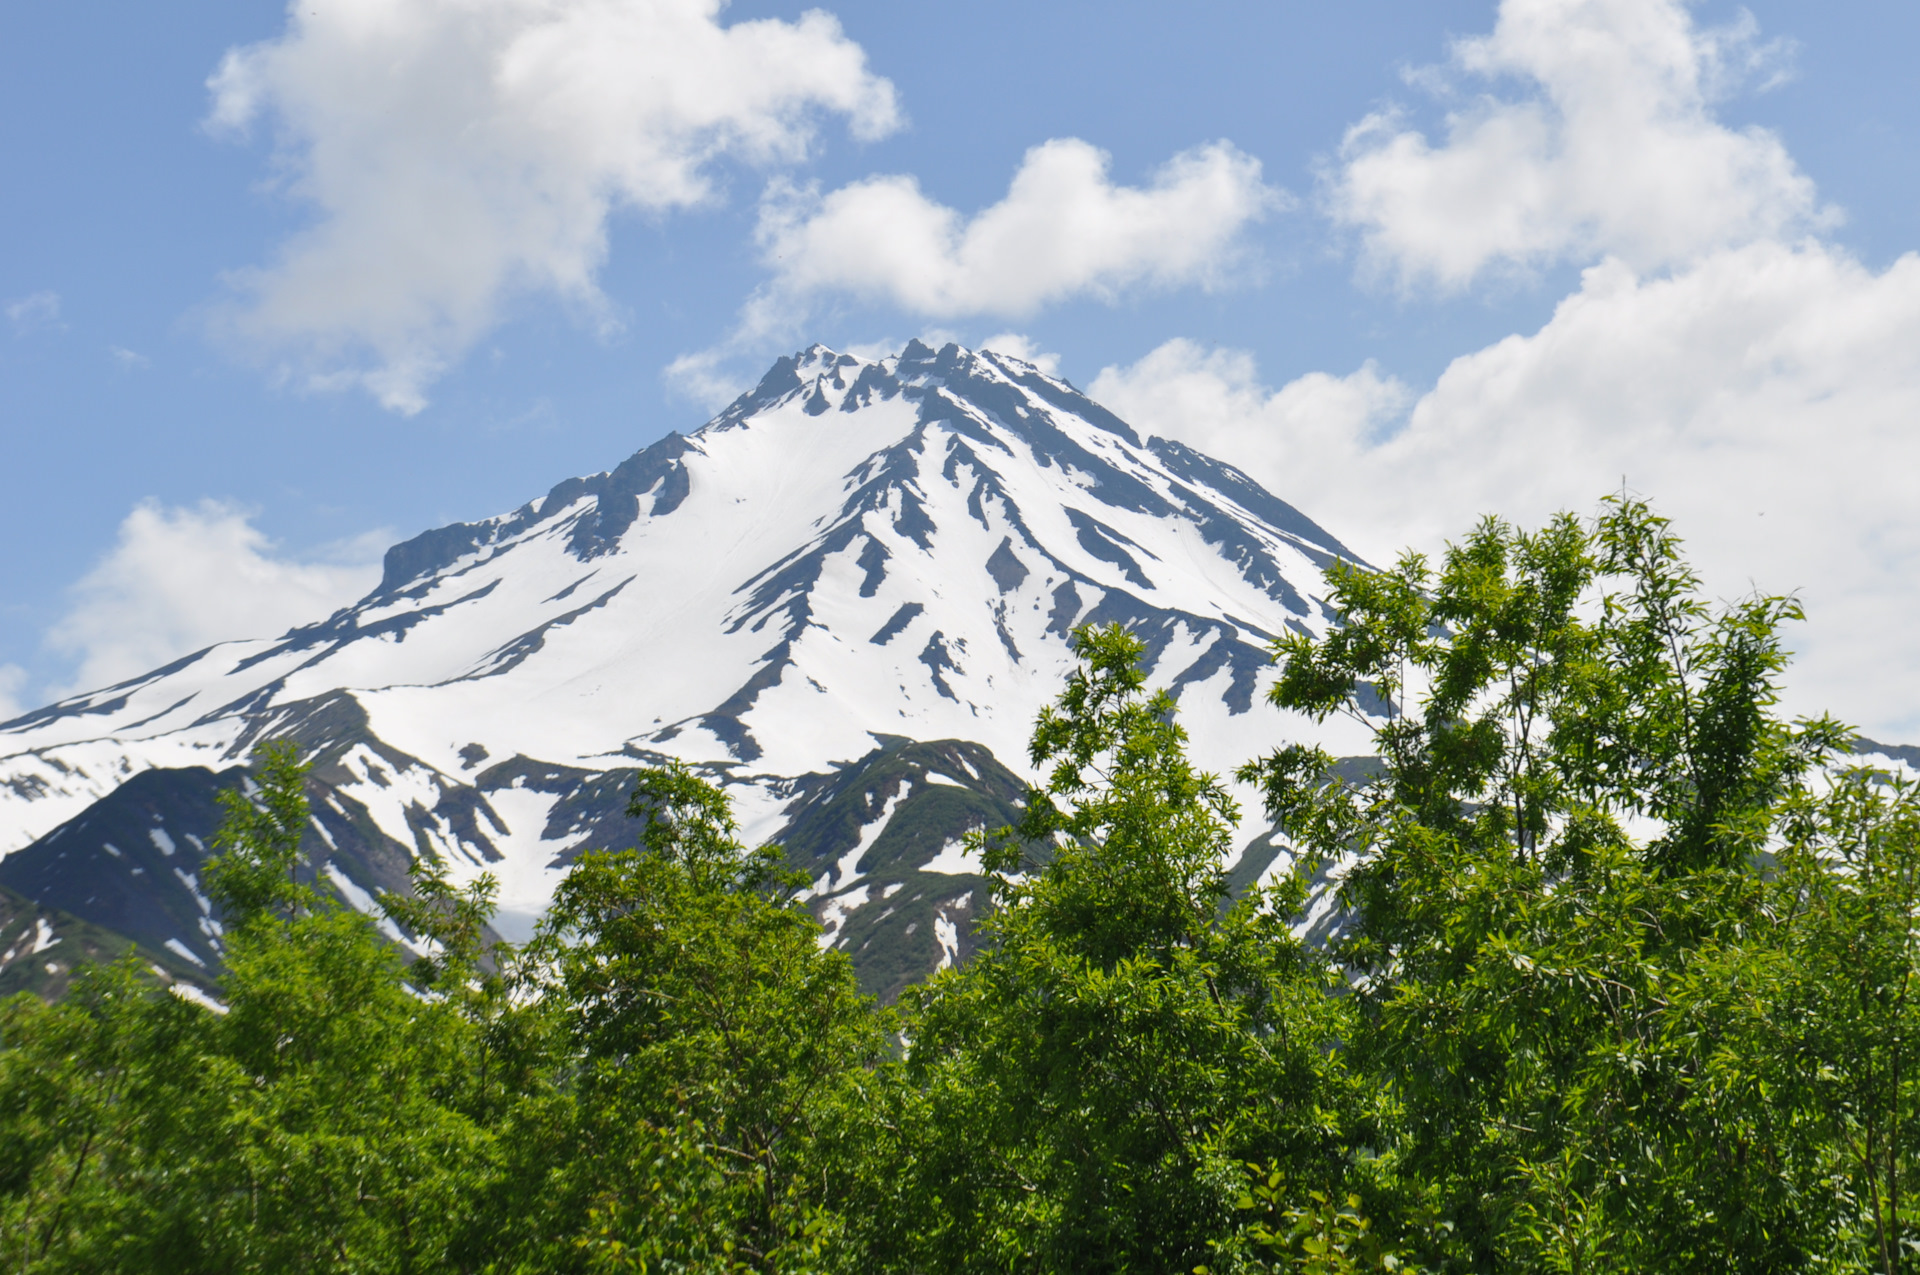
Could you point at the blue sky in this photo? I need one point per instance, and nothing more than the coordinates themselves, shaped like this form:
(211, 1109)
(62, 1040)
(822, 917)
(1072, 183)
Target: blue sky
(1406, 262)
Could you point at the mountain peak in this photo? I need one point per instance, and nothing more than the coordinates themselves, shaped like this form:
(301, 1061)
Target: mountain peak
(851, 552)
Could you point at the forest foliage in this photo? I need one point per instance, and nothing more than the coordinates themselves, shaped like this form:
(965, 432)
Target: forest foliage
(1623, 982)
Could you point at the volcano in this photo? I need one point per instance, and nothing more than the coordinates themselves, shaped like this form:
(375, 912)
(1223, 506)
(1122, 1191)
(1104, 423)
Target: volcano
(844, 599)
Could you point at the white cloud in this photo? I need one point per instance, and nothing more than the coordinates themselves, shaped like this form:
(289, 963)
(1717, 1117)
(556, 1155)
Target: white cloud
(1213, 400)
(35, 312)
(459, 151)
(180, 579)
(1063, 230)
(1022, 348)
(1764, 397)
(1758, 384)
(704, 378)
(1611, 148)
(129, 360)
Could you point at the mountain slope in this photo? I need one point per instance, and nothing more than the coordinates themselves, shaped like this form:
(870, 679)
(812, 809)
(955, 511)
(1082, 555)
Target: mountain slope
(853, 556)
(41, 948)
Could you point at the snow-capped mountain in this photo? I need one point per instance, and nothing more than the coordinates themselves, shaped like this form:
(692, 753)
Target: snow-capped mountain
(853, 557)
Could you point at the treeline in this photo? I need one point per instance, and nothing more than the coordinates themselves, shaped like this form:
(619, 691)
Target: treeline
(1623, 983)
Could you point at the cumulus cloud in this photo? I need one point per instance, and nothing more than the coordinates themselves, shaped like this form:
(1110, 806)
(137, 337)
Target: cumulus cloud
(1609, 147)
(1214, 400)
(459, 151)
(1757, 383)
(705, 378)
(179, 579)
(1064, 230)
(34, 312)
(1764, 397)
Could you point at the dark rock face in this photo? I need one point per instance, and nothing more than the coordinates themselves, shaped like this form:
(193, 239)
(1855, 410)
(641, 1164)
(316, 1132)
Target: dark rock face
(43, 948)
(931, 795)
(130, 864)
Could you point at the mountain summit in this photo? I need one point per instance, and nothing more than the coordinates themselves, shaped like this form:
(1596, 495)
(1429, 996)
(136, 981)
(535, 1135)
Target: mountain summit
(845, 598)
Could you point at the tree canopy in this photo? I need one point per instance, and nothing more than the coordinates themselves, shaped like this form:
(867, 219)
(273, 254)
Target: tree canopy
(1620, 979)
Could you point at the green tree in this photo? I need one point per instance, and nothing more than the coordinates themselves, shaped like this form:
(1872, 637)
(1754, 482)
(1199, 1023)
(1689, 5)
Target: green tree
(320, 1120)
(262, 827)
(1089, 1086)
(712, 1054)
(1558, 869)
(335, 1127)
(1836, 1033)
(88, 1089)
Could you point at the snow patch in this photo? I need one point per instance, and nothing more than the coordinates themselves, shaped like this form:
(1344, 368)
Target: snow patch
(834, 915)
(184, 952)
(192, 882)
(847, 868)
(956, 859)
(325, 836)
(947, 935)
(188, 992)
